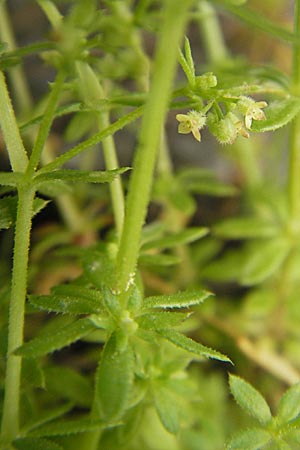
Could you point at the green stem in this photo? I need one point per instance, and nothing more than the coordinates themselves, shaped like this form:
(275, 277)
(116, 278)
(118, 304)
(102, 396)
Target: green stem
(46, 123)
(10, 419)
(22, 95)
(155, 110)
(215, 47)
(217, 55)
(92, 91)
(111, 162)
(16, 151)
(294, 161)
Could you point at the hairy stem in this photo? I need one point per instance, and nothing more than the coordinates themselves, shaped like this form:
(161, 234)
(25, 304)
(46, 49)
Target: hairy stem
(155, 110)
(10, 419)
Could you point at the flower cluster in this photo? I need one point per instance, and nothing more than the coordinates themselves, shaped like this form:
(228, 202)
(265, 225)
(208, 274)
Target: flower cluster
(226, 127)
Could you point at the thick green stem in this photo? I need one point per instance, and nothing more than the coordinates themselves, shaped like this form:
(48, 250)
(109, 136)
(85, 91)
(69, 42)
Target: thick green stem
(294, 161)
(155, 110)
(16, 151)
(10, 419)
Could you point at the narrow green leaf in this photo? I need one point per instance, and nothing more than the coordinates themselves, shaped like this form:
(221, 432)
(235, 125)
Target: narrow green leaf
(182, 299)
(191, 346)
(188, 55)
(69, 385)
(99, 268)
(10, 178)
(46, 416)
(159, 320)
(93, 140)
(289, 405)
(264, 259)
(204, 181)
(252, 439)
(159, 260)
(257, 20)
(66, 304)
(67, 427)
(31, 443)
(8, 210)
(166, 407)
(61, 338)
(245, 228)
(278, 114)
(250, 399)
(184, 237)
(77, 176)
(114, 377)
(60, 111)
(186, 68)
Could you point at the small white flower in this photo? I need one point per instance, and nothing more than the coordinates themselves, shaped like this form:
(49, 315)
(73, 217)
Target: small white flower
(192, 122)
(251, 110)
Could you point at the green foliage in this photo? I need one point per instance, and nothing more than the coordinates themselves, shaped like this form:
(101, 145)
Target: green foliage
(157, 268)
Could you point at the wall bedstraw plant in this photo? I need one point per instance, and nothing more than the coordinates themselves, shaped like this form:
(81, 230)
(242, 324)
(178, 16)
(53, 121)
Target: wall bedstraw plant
(122, 273)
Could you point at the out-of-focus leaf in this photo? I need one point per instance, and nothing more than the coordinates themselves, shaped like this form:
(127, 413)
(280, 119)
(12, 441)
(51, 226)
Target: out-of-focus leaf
(32, 443)
(245, 228)
(69, 385)
(70, 300)
(114, 378)
(159, 260)
(264, 259)
(99, 268)
(184, 237)
(81, 124)
(63, 337)
(249, 399)
(257, 20)
(8, 210)
(167, 408)
(46, 416)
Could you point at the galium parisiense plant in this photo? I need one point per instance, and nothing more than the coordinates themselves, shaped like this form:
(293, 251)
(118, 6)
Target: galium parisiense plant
(142, 296)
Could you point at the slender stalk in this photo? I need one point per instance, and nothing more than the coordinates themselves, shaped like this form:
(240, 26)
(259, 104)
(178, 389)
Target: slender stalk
(111, 162)
(92, 90)
(155, 110)
(10, 419)
(22, 96)
(214, 44)
(294, 160)
(217, 54)
(46, 123)
(16, 151)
